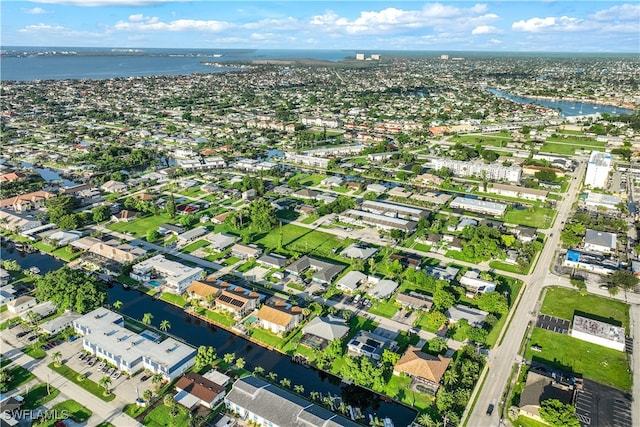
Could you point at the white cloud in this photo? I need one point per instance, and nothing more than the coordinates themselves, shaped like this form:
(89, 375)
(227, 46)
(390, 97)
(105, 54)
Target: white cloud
(495, 41)
(537, 25)
(393, 20)
(625, 12)
(140, 22)
(38, 28)
(34, 11)
(288, 23)
(486, 29)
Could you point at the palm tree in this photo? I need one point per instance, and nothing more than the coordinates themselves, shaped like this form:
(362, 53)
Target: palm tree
(156, 380)
(285, 382)
(164, 325)
(450, 377)
(56, 358)
(117, 305)
(298, 388)
(425, 420)
(168, 400)
(272, 376)
(314, 395)
(228, 358)
(147, 318)
(258, 370)
(105, 382)
(147, 395)
(240, 363)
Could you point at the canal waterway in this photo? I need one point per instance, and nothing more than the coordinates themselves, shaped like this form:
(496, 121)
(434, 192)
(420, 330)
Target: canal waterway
(44, 262)
(196, 332)
(568, 108)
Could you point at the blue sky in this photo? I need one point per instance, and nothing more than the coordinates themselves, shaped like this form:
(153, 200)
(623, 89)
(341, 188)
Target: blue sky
(540, 26)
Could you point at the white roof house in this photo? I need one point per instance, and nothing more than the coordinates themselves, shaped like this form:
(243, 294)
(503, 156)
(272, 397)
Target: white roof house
(474, 316)
(358, 251)
(105, 336)
(383, 289)
(597, 332)
(221, 241)
(328, 328)
(350, 281)
(472, 281)
(175, 277)
(600, 241)
(477, 205)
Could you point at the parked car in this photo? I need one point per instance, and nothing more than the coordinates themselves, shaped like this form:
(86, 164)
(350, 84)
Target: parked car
(144, 378)
(111, 371)
(101, 365)
(92, 361)
(82, 355)
(116, 375)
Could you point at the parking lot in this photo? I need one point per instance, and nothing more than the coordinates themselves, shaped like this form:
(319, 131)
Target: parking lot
(602, 406)
(554, 324)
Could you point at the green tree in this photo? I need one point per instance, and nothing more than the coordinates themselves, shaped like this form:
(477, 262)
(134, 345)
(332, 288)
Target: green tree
(625, 279)
(6, 376)
(436, 319)
(206, 356)
(152, 235)
(437, 344)
(285, 382)
(71, 289)
(171, 206)
(165, 325)
(147, 318)
(493, 302)
(228, 358)
(101, 213)
(443, 298)
(157, 380)
(56, 358)
(147, 395)
(117, 305)
(105, 382)
(69, 221)
(11, 265)
(60, 206)
(240, 363)
(558, 414)
(425, 420)
(168, 400)
(262, 216)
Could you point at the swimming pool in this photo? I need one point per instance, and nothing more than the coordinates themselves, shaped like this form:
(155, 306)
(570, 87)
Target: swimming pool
(154, 283)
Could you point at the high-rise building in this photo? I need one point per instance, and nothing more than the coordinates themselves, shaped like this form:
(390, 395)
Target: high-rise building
(598, 170)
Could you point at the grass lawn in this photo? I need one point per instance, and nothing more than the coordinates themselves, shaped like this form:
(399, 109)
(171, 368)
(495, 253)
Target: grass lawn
(221, 318)
(74, 410)
(265, 337)
(398, 388)
(537, 217)
(64, 253)
(174, 299)
(161, 417)
(244, 267)
(523, 421)
(288, 214)
(563, 149)
(564, 303)
(598, 363)
(384, 308)
(38, 396)
(19, 376)
(302, 240)
(422, 247)
(34, 351)
(230, 261)
(3, 308)
(310, 219)
(577, 140)
(133, 410)
(193, 246)
(512, 268)
(87, 384)
(313, 179)
(140, 227)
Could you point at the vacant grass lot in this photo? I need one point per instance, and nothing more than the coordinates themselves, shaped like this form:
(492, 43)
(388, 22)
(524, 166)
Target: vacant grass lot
(76, 412)
(383, 308)
(173, 299)
(64, 253)
(564, 303)
(193, 246)
(302, 240)
(537, 217)
(598, 363)
(564, 149)
(140, 227)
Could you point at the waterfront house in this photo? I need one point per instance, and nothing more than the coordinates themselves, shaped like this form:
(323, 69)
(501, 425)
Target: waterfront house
(237, 300)
(172, 275)
(18, 221)
(194, 389)
(425, 370)
(104, 335)
(202, 290)
(279, 318)
(323, 330)
(369, 344)
(26, 202)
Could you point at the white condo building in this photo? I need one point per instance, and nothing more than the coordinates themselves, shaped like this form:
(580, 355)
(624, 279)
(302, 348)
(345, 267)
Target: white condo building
(598, 170)
(492, 171)
(159, 271)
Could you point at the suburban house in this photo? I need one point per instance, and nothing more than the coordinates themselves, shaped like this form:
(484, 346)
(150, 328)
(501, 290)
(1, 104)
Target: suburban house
(415, 300)
(273, 260)
(114, 187)
(221, 241)
(539, 388)
(159, 271)
(448, 273)
(525, 234)
(245, 251)
(21, 304)
(350, 281)
(382, 289)
(42, 310)
(104, 335)
(264, 404)
(279, 318)
(474, 316)
(320, 331)
(201, 290)
(369, 344)
(170, 228)
(407, 260)
(237, 300)
(18, 222)
(124, 216)
(26, 202)
(194, 389)
(425, 370)
(358, 251)
(597, 332)
(62, 238)
(324, 271)
(600, 241)
(191, 235)
(59, 324)
(475, 285)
